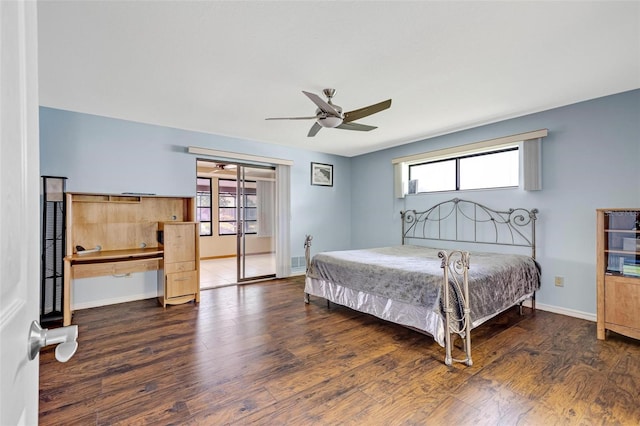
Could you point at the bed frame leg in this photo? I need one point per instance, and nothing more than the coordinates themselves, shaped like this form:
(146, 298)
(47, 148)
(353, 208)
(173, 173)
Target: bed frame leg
(467, 338)
(307, 258)
(533, 302)
(456, 269)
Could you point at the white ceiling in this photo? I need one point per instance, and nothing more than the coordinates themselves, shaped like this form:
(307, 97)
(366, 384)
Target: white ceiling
(223, 67)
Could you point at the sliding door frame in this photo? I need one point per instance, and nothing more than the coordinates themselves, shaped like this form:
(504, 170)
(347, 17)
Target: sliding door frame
(283, 197)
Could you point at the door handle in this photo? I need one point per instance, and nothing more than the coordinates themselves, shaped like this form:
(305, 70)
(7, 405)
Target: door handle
(64, 337)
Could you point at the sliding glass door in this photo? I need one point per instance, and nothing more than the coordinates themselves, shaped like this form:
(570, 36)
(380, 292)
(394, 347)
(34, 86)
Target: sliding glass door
(255, 226)
(236, 207)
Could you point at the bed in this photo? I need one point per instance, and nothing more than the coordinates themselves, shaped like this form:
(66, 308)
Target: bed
(405, 284)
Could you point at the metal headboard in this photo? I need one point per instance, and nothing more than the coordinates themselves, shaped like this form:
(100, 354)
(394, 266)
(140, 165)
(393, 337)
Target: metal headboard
(468, 221)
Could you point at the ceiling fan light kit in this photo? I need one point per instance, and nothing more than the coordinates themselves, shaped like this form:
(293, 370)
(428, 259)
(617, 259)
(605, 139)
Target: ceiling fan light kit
(330, 121)
(331, 116)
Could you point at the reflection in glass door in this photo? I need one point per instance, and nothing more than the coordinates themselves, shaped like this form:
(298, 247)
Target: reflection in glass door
(255, 226)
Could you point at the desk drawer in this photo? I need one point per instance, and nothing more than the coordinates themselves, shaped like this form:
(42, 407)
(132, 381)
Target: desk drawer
(179, 267)
(86, 270)
(181, 284)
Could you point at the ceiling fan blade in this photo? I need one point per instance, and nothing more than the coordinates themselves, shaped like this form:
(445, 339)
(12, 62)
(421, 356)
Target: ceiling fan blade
(322, 105)
(356, 126)
(314, 129)
(291, 118)
(357, 114)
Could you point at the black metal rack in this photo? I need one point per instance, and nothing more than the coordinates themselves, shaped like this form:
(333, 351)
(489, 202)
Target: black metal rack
(53, 209)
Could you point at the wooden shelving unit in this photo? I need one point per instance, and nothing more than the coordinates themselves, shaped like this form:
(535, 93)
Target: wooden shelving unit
(618, 279)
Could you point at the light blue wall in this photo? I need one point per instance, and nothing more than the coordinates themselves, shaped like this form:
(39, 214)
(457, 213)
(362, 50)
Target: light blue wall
(104, 155)
(591, 159)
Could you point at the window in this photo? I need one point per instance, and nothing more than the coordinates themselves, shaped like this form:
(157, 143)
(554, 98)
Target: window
(228, 210)
(434, 176)
(520, 166)
(493, 169)
(203, 205)
(498, 169)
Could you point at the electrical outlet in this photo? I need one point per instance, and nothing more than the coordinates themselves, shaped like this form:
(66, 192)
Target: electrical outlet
(559, 281)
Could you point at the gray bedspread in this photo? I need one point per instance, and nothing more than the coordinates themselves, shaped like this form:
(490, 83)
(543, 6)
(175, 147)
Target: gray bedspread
(412, 274)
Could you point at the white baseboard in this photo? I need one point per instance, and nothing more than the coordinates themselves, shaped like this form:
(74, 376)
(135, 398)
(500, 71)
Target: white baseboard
(105, 302)
(562, 311)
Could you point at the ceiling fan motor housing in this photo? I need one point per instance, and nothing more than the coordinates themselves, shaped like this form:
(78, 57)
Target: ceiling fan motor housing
(328, 120)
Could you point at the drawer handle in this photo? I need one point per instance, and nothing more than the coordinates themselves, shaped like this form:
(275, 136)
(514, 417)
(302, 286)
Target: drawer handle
(182, 279)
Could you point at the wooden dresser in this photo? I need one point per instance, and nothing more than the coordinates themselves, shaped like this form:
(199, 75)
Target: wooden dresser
(178, 277)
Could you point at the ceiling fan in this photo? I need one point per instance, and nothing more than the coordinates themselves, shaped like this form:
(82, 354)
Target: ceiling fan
(330, 115)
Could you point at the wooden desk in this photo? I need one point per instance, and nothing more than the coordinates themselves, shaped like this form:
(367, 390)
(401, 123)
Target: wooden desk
(103, 263)
(126, 227)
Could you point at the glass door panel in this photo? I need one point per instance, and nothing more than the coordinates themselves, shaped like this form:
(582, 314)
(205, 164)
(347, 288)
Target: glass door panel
(255, 227)
(622, 242)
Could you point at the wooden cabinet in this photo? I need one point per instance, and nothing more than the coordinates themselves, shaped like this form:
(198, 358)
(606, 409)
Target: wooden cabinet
(179, 276)
(618, 272)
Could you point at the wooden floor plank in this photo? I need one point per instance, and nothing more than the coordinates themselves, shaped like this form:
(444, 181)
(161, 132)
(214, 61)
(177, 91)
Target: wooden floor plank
(256, 354)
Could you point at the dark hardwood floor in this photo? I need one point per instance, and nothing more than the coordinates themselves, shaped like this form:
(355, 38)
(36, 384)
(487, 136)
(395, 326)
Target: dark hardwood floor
(258, 354)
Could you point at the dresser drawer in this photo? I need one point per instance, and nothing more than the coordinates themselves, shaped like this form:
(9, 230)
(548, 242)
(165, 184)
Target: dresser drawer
(179, 267)
(181, 284)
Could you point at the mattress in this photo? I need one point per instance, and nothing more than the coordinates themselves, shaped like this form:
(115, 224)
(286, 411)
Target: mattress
(403, 284)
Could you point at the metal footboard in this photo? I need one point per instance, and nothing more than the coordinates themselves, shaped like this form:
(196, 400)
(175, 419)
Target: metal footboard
(457, 313)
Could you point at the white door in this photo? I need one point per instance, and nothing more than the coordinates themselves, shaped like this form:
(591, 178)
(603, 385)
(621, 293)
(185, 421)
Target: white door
(19, 210)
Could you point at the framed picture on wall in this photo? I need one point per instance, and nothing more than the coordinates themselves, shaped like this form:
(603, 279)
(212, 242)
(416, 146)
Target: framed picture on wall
(321, 174)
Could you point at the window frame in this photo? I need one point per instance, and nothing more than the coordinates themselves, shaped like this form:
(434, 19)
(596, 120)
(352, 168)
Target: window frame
(530, 162)
(462, 156)
(199, 207)
(220, 207)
